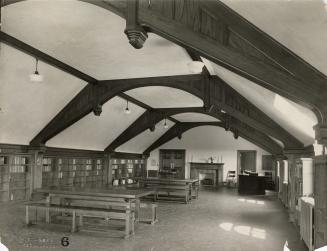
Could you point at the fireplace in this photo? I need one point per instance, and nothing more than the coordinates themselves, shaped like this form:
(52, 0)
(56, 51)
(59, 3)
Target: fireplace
(207, 178)
(209, 174)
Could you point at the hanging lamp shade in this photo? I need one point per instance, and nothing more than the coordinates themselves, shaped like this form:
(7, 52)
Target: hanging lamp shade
(165, 124)
(127, 110)
(36, 77)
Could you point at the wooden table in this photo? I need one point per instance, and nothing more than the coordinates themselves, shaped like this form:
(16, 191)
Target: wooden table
(194, 183)
(97, 194)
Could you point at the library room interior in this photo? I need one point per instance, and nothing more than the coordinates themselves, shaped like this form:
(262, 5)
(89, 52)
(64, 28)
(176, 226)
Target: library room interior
(156, 125)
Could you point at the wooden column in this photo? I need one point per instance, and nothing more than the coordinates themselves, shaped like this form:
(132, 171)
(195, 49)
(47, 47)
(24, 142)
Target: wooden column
(37, 154)
(108, 171)
(134, 31)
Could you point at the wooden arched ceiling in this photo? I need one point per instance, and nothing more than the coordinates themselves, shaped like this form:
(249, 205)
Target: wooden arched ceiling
(98, 92)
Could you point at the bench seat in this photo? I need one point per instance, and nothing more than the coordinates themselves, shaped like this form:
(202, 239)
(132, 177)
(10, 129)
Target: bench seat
(125, 214)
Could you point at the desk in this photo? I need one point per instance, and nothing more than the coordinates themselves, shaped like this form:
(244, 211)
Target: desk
(251, 185)
(97, 194)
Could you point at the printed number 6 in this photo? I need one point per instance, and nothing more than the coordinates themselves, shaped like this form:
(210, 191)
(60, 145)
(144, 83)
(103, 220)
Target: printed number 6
(65, 241)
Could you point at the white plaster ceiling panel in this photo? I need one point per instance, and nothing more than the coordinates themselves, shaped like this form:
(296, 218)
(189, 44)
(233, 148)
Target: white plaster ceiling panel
(27, 107)
(194, 117)
(208, 138)
(165, 97)
(91, 39)
(296, 119)
(142, 141)
(97, 132)
(300, 25)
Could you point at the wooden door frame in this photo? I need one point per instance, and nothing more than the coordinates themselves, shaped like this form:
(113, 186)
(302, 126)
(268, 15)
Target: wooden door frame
(238, 160)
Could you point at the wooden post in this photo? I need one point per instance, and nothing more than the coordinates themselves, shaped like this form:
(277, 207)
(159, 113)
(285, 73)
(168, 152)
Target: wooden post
(108, 171)
(135, 33)
(35, 171)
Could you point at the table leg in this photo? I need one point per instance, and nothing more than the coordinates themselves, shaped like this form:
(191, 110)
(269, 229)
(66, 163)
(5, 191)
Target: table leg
(47, 210)
(137, 210)
(27, 219)
(73, 230)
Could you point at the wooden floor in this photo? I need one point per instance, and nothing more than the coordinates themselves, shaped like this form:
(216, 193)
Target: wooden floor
(218, 220)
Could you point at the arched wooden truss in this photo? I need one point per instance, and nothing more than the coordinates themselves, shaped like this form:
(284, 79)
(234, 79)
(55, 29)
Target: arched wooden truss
(235, 44)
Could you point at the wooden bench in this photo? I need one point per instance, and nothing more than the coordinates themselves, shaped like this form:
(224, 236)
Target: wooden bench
(127, 214)
(118, 204)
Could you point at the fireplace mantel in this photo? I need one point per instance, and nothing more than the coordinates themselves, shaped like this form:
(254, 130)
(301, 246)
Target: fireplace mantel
(203, 165)
(217, 168)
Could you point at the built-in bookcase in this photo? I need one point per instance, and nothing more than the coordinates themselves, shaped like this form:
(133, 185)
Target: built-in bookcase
(4, 178)
(14, 177)
(125, 171)
(73, 171)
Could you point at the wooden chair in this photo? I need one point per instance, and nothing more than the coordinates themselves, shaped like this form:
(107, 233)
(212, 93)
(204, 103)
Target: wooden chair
(231, 178)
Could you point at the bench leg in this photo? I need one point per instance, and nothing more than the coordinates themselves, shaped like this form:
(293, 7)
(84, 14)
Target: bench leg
(154, 214)
(27, 219)
(73, 230)
(137, 210)
(47, 210)
(132, 224)
(127, 224)
(36, 214)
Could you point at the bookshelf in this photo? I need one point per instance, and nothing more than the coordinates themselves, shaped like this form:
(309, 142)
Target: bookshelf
(4, 178)
(19, 179)
(125, 171)
(73, 172)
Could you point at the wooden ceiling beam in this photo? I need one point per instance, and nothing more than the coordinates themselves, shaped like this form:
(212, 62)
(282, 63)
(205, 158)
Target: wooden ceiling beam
(177, 130)
(21, 46)
(219, 34)
(94, 96)
(149, 119)
(91, 97)
(242, 109)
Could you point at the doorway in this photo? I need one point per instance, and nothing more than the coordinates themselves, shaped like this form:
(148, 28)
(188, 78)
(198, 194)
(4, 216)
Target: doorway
(246, 160)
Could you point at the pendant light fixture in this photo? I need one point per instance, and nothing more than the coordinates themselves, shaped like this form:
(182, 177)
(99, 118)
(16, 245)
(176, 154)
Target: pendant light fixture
(127, 110)
(36, 77)
(165, 124)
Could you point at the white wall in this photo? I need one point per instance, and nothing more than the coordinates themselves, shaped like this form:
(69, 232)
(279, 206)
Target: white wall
(206, 141)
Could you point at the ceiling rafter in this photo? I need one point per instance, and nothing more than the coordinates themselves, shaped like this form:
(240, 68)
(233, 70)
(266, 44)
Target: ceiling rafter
(177, 130)
(221, 35)
(25, 48)
(149, 118)
(18, 44)
(242, 101)
(90, 92)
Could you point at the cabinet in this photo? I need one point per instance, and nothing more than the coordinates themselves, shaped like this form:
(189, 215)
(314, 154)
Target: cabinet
(172, 163)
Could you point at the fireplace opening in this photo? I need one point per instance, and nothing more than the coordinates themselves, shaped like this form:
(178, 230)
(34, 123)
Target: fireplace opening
(206, 179)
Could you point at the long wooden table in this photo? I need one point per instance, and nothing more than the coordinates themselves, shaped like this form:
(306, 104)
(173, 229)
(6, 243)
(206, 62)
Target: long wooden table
(97, 194)
(193, 183)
